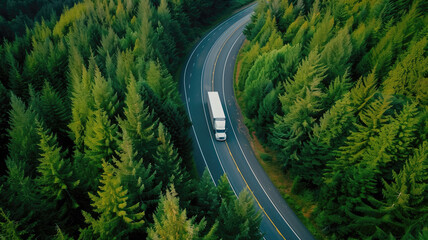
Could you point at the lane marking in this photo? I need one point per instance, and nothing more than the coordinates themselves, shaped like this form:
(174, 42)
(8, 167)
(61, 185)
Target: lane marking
(185, 91)
(221, 49)
(254, 196)
(243, 153)
(237, 140)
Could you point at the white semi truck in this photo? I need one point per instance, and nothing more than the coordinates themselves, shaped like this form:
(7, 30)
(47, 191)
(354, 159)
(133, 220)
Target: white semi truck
(218, 118)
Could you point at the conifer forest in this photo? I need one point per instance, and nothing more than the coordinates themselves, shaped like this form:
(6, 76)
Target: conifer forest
(339, 90)
(94, 136)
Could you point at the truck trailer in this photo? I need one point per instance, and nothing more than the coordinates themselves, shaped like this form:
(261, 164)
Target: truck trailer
(217, 116)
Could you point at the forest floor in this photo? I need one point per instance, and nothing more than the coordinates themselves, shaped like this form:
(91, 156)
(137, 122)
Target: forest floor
(301, 201)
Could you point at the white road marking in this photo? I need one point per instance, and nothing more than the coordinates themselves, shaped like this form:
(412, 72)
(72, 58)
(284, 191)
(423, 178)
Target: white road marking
(237, 140)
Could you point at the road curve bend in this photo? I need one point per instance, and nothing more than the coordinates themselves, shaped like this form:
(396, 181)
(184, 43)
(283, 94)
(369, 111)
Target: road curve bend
(209, 67)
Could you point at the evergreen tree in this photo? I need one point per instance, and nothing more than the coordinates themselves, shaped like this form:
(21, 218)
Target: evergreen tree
(81, 106)
(9, 229)
(224, 189)
(167, 162)
(207, 199)
(23, 149)
(411, 84)
(101, 142)
(336, 54)
(104, 96)
(134, 176)
(323, 32)
(170, 222)
(56, 179)
(20, 194)
(138, 122)
(326, 137)
(54, 112)
(4, 119)
(116, 217)
(300, 106)
(238, 219)
(402, 209)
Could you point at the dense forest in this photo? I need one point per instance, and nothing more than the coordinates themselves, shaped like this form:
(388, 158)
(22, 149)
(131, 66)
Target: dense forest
(339, 91)
(94, 135)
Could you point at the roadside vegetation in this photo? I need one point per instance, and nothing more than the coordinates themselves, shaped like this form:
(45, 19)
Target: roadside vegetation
(336, 93)
(94, 135)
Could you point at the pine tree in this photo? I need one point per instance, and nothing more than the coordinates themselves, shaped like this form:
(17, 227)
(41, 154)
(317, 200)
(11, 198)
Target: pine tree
(336, 54)
(104, 96)
(56, 179)
(224, 189)
(411, 84)
(268, 71)
(402, 210)
(54, 112)
(300, 106)
(23, 136)
(326, 138)
(322, 33)
(134, 176)
(9, 229)
(170, 222)
(138, 122)
(81, 106)
(207, 199)
(4, 117)
(238, 219)
(16, 82)
(20, 195)
(167, 162)
(116, 216)
(248, 60)
(395, 142)
(101, 142)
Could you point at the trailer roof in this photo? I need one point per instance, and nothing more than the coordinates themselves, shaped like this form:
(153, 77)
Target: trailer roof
(215, 103)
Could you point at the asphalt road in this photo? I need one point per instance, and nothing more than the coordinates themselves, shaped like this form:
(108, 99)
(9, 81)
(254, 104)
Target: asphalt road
(210, 67)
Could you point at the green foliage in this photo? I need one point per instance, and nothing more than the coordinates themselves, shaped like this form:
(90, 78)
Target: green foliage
(134, 176)
(170, 222)
(208, 198)
(138, 122)
(167, 162)
(101, 141)
(4, 119)
(56, 179)
(337, 53)
(9, 228)
(238, 218)
(67, 85)
(300, 106)
(116, 216)
(23, 149)
(351, 112)
(20, 193)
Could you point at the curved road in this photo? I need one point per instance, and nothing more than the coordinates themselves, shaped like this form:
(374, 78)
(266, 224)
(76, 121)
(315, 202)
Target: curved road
(210, 67)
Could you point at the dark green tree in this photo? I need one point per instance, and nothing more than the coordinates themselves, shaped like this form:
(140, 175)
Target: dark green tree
(170, 222)
(134, 176)
(167, 162)
(55, 179)
(101, 142)
(139, 123)
(238, 218)
(23, 149)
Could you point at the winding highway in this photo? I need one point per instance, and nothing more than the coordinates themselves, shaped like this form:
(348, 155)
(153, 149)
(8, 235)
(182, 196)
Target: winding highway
(209, 67)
